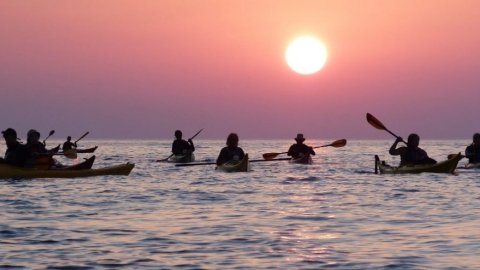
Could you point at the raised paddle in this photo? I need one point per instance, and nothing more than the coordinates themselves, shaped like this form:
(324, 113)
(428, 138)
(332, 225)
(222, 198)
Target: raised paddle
(214, 163)
(378, 125)
(191, 138)
(49, 134)
(83, 136)
(337, 143)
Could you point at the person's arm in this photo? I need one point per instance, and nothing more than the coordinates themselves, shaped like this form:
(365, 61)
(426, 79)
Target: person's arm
(310, 150)
(192, 147)
(469, 153)
(241, 153)
(221, 157)
(394, 151)
(291, 150)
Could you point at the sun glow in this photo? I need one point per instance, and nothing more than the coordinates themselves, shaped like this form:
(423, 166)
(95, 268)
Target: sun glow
(306, 55)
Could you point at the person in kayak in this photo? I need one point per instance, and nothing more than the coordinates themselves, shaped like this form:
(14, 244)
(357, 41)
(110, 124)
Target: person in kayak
(411, 154)
(473, 150)
(16, 153)
(231, 152)
(38, 155)
(68, 145)
(299, 149)
(180, 146)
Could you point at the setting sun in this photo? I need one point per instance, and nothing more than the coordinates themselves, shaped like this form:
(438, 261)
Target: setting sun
(306, 55)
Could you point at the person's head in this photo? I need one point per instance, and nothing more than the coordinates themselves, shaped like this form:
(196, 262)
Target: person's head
(178, 134)
(33, 136)
(476, 138)
(69, 138)
(10, 136)
(232, 140)
(413, 140)
(299, 138)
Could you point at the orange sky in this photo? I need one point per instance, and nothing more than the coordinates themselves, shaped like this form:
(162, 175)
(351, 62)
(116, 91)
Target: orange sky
(141, 69)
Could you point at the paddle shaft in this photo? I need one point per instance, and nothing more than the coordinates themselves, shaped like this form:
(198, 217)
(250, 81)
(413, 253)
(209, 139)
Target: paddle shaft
(191, 138)
(49, 134)
(83, 136)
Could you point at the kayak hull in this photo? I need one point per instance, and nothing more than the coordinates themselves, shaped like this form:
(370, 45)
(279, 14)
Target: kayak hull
(88, 150)
(471, 166)
(80, 170)
(447, 166)
(236, 166)
(182, 158)
(302, 160)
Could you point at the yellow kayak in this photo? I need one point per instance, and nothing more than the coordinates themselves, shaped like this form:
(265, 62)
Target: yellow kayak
(9, 171)
(447, 166)
(235, 166)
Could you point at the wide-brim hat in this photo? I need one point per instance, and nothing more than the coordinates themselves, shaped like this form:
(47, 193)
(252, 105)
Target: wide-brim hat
(300, 137)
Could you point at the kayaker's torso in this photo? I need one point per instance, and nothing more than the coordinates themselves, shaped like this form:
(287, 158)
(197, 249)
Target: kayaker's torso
(414, 155)
(180, 146)
(16, 154)
(299, 150)
(473, 153)
(68, 145)
(230, 154)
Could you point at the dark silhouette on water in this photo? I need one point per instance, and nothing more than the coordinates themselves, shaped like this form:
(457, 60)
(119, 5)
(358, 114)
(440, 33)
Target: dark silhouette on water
(16, 153)
(472, 152)
(299, 149)
(180, 146)
(411, 154)
(38, 155)
(68, 145)
(231, 152)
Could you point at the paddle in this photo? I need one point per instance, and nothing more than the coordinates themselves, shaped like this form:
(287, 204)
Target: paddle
(70, 153)
(83, 136)
(378, 125)
(337, 143)
(191, 138)
(214, 163)
(49, 134)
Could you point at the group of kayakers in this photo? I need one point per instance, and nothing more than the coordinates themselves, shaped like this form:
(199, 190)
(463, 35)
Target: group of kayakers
(33, 152)
(411, 154)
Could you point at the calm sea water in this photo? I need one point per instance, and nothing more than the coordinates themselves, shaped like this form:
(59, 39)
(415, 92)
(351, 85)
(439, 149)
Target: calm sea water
(335, 214)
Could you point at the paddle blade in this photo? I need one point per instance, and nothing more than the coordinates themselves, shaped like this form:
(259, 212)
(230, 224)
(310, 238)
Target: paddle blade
(51, 133)
(375, 122)
(339, 143)
(71, 153)
(269, 156)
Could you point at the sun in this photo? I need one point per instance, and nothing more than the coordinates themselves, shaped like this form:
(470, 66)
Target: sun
(306, 55)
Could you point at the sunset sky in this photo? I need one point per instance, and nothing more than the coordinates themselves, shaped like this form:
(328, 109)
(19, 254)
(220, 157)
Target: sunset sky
(141, 69)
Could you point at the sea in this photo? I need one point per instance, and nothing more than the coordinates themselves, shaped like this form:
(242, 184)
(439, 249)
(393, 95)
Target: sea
(334, 214)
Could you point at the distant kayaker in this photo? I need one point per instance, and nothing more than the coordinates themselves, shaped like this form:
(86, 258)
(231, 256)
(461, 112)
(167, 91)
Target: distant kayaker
(231, 152)
(180, 146)
(411, 154)
(299, 149)
(16, 153)
(473, 151)
(68, 145)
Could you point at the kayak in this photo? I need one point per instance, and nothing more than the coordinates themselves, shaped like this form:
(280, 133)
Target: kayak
(182, 158)
(235, 166)
(55, 149)
(447, 166)
(471, 166)
(88, 150)
(80, 170)
(302, 160)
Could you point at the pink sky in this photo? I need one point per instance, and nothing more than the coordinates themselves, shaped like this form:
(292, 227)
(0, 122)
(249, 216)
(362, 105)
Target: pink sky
(141, 69)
